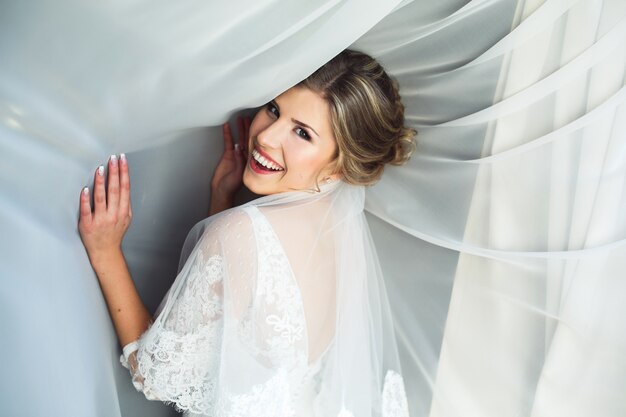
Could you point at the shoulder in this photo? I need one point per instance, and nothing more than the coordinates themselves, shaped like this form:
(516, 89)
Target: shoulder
(220, 233)
(235, 220)
(222, 226)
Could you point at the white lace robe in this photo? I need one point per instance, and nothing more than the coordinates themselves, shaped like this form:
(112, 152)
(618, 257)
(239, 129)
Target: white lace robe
(232, 338)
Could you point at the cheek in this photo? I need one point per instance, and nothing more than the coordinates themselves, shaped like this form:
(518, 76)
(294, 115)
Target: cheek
(255, 127)
(299, 156)
(305, 161)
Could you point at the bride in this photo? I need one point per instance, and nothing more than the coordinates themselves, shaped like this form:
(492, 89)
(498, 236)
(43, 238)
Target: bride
(279, 307)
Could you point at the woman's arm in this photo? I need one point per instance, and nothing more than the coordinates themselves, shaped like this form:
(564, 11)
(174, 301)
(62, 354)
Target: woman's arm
(129, 314)
(228, 175)
(102, 232)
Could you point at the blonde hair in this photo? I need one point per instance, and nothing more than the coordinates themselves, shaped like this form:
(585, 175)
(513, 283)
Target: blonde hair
(367, 116)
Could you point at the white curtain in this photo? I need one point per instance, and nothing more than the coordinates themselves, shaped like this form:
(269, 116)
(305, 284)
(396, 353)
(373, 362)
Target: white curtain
(503, 241)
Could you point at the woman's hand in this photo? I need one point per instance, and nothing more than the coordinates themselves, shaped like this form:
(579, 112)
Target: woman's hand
(228, 176)
(103, 230)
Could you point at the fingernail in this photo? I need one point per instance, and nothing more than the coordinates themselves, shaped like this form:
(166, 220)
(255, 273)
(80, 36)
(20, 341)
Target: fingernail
(86, 190)
(113, 160)
(123, 157)
(101, 170)
(237, 147)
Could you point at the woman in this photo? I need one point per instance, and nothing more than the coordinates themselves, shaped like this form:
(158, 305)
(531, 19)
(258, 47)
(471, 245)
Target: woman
(279, 307)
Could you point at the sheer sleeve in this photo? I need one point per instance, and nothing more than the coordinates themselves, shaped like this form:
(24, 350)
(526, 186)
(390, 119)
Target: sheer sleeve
(175, 360)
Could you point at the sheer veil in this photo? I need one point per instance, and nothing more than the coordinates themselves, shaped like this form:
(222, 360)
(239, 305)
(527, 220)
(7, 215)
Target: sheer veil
(291, 315)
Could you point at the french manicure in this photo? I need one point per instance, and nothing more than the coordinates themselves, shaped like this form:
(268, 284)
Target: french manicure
(86, 190)
(113, 160)
(123, 157)
(101, 170)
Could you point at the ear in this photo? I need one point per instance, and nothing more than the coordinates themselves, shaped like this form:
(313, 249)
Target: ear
(332, 170)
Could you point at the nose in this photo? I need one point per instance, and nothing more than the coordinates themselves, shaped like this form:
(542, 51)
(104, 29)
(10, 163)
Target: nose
(272, 134)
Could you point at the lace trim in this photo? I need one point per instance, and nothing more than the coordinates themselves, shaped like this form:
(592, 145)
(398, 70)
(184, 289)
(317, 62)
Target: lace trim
(176, 369)
(395, 403)
(287, 345)
(177, 360)
(269, 399)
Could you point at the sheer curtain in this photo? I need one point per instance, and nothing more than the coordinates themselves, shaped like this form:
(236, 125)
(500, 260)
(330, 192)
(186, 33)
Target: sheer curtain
(502, 241)
(527, 189)
(549, 187)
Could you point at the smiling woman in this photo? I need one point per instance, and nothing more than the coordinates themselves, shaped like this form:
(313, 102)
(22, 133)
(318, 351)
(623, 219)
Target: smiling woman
(345, 121)
(287, 154)
(279, 308)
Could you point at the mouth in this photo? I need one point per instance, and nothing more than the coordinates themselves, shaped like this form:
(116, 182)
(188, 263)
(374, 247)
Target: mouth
(261, 163)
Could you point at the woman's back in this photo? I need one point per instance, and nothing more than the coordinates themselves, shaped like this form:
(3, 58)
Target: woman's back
(278, 345)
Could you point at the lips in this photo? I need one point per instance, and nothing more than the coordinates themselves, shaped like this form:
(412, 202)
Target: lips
(262, 163)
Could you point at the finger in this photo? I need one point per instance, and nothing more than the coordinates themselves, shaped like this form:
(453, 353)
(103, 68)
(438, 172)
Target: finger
(124, 205)
(240, 160)
(228, 138)
(243, 132)
(247, 138)
(113, 194)
(241, 128)
(85, 206)
(99, 196)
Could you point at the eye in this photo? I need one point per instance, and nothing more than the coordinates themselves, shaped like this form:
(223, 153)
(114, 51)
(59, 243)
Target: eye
(304, 135)
(269, 106)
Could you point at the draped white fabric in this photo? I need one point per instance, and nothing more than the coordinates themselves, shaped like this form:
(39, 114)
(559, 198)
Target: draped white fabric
(502, 242)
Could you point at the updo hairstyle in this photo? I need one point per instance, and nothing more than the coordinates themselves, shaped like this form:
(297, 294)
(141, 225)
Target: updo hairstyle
(367, 116)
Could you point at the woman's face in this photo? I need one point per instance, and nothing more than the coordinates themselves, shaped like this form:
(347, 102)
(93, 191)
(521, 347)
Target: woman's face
(291, 144)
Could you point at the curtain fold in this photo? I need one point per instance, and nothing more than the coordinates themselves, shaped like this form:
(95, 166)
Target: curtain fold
(532, 326)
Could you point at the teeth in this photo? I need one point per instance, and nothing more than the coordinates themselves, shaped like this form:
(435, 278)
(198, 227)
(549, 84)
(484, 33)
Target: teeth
(261, 160)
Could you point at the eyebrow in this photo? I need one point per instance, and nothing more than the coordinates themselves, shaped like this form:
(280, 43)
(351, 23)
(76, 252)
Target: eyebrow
(294, 120)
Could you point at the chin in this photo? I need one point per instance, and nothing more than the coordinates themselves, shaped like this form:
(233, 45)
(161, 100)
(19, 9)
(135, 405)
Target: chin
(253, 185)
